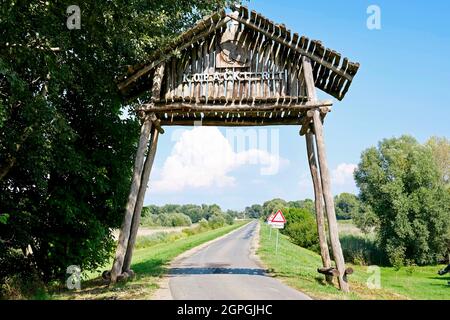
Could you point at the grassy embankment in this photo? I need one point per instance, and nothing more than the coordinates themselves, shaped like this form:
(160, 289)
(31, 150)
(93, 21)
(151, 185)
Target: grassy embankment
(150, 263)
(297, 267)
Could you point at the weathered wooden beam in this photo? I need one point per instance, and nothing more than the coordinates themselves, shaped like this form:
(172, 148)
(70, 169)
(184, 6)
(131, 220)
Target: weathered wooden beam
(131, 203)
(318, 204)
(306, 124)
(309, 79)
(140, 200)
(314, 169)
(239, 122)
(157, 82)
(156, 122)
(180, 106)
(329, 202)
(329, 272)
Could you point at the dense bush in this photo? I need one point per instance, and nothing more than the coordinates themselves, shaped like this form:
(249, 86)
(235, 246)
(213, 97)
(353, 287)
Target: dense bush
(229, 219)
(173, 220)
(301, 228)
(216, 221)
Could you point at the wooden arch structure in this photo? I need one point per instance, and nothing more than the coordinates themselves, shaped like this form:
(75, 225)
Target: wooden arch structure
(238, 69)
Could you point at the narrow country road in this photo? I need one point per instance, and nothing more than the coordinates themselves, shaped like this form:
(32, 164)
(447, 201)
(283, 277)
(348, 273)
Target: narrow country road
(225, 270)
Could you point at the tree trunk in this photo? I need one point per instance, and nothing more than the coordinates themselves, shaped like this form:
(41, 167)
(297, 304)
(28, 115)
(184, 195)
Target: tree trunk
(135, 185)
(318, 201)
(140, 199)
(329, 202)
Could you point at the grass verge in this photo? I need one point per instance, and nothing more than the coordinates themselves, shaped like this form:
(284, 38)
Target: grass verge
(150, 264)
(297, 267)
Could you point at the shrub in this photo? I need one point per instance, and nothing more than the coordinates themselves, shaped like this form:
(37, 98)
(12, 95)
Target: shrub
(216, 221)
(173, 220)
(204, 224)
(229, 219)
(301, 228)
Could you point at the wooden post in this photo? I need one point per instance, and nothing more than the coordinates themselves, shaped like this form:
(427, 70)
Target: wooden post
(329, 201)
(318, 201)
(131, 203)
(312, 161)
(124, 236)
(140, 199)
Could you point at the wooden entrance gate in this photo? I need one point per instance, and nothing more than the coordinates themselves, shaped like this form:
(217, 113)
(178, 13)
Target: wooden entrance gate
(238, 69)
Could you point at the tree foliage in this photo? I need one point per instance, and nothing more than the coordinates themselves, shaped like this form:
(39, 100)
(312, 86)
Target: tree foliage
(172, 215)
(301, 228)
(65, 152)
(402, 184)
(273, 206)
(347, 205)
(440, 148)
(255, 211)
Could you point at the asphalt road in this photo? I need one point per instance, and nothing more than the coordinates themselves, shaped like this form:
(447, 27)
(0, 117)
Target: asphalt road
(225, 270)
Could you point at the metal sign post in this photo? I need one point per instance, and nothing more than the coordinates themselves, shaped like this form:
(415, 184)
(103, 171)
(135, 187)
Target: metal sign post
(276, 246)
(269, 222)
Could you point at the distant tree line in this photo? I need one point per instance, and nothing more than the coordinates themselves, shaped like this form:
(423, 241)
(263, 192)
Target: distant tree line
(174, 215)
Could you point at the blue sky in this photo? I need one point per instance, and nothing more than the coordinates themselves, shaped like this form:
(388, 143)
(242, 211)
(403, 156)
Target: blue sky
(402, 87)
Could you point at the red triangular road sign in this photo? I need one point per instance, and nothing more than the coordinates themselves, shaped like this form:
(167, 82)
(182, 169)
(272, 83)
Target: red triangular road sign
(278, 217)
(269, 218)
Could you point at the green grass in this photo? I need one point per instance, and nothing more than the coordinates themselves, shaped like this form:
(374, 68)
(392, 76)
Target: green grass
(297, 267)
(149, 264)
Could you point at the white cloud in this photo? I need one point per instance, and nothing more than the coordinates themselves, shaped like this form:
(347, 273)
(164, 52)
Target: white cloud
(341, 180)
(343, 174)
(203, 157)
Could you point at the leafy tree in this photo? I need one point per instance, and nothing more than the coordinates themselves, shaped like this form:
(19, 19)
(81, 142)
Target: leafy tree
(192, 211)
(255, 211)
(173, 219)
(347, 205)
(273, 206)
(307, 204)
(150, 210)
(440, 147)
(400, 181)
(301, 228)
(365, 219)
(216, 220)
(210, 210)
(234, 213)
(66, 153)
(229, 219)
(168, 208)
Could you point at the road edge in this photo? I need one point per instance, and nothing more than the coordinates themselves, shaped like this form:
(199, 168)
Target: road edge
(163, 292)
(268, 270)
